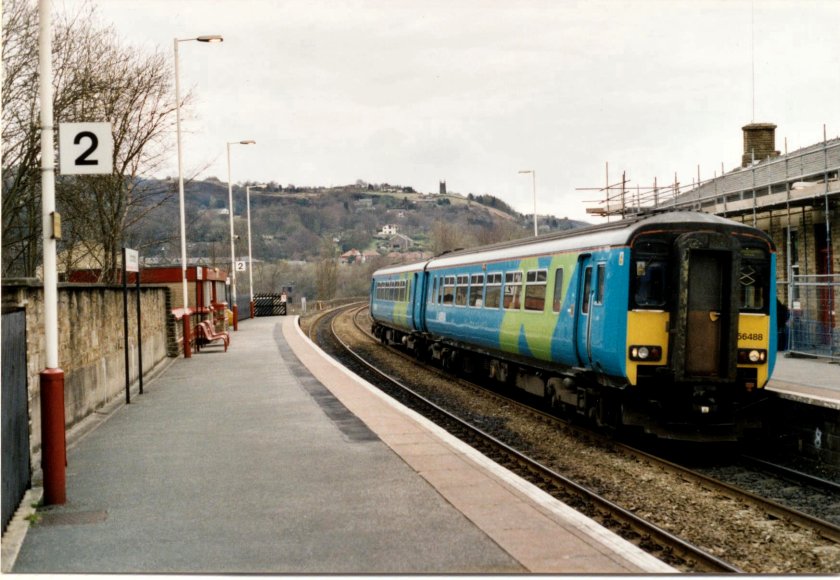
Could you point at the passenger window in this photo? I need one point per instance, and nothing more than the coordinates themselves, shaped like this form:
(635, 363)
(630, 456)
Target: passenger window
(599, 292)
(493, 292)
(461, 291)
(587, 287)
(535, 290)
(558, 290)
(513, 290)
(449, 290)
(476, 290)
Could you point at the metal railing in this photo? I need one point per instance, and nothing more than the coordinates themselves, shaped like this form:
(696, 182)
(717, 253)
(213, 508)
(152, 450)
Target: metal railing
(812, 324)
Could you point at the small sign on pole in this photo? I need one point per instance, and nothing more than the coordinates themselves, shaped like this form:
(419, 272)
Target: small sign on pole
(132, 260)
(85, 148)
(131, 263)
(240, 266)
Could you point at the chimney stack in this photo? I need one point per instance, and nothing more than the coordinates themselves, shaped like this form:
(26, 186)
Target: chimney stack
(759, 142)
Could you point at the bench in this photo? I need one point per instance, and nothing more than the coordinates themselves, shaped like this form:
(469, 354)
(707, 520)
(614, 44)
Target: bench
(206, 335)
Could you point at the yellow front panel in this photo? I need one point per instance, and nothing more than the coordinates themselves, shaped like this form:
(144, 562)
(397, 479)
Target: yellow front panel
(648, 328)
(754, 332)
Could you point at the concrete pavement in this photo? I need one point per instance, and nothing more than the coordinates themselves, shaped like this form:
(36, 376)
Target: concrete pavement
(229, 463)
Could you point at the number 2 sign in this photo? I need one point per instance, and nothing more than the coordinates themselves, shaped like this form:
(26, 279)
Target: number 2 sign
(85, 148)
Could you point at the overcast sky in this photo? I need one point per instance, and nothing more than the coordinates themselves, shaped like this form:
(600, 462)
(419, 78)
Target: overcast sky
(472, 92)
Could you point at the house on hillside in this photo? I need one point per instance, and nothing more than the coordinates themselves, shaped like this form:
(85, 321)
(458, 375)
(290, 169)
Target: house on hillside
(368, 255)
(400, 242)
(388, 230)
(353, 256)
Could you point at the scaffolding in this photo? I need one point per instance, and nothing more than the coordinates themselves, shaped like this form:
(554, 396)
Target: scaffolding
(804, 176)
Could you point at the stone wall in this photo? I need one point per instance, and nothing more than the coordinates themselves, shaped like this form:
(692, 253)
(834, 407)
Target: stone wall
(91, 343)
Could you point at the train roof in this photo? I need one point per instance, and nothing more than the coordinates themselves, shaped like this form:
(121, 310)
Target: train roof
(598, 236)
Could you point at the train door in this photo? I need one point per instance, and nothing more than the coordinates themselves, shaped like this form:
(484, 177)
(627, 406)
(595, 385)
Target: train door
(583, 307)
(417, 300)
(707, 308)
(704, 332)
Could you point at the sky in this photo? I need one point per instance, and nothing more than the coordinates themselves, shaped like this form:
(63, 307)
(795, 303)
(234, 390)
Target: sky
(473, 92)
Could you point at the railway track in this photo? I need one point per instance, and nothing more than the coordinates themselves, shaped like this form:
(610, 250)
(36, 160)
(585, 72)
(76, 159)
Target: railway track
(652, 538)
(679, 555)
(761, 467)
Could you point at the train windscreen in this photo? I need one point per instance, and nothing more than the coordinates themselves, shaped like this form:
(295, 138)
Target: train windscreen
(651, 274)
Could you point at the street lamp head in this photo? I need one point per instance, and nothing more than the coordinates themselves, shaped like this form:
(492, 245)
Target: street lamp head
(248, 142)
(210, 38)
(527, 171)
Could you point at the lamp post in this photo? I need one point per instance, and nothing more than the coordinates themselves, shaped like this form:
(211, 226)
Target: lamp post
(250, 260)
(234, 308)
(186, 317)
(51, 379)
(533, 173)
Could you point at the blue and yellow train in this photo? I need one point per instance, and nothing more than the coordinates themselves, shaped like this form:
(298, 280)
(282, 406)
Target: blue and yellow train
(665, 323)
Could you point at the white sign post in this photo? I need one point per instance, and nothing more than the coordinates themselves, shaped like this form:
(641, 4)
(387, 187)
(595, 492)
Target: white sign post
(132, 260)
(85, 148)
(131, 263)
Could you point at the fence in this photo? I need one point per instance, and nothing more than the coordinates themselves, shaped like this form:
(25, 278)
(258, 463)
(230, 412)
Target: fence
(269, 305)
(813, 324)
(15, 433)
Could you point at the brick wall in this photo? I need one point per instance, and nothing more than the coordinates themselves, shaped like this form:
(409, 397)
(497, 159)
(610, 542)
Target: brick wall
(777, 223)
(90, 343)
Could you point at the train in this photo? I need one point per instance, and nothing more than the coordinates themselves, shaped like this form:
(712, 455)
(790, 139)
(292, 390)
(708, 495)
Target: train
(662, 324)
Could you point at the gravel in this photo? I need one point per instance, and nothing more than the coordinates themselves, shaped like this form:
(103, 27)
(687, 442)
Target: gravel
(735, 532)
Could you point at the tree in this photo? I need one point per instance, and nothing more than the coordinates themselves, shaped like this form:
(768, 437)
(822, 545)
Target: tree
(499, 231)
(21, 141)
(446, 236)
(326, 274)
(95, 78)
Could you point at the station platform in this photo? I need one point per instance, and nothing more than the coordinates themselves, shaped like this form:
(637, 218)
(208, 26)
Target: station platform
(270, 458)
(808, 380)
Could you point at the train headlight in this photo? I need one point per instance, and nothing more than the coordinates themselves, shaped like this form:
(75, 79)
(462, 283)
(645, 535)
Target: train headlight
(646, 353)
(752, 356)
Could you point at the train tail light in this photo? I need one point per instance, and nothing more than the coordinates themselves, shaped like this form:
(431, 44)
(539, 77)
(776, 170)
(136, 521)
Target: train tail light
(646, 353)
(752, 356)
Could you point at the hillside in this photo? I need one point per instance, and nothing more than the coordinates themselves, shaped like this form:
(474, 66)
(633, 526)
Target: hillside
(293, 223)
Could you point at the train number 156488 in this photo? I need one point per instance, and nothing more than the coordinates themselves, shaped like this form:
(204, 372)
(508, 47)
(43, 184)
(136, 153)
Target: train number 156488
(750, 336)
